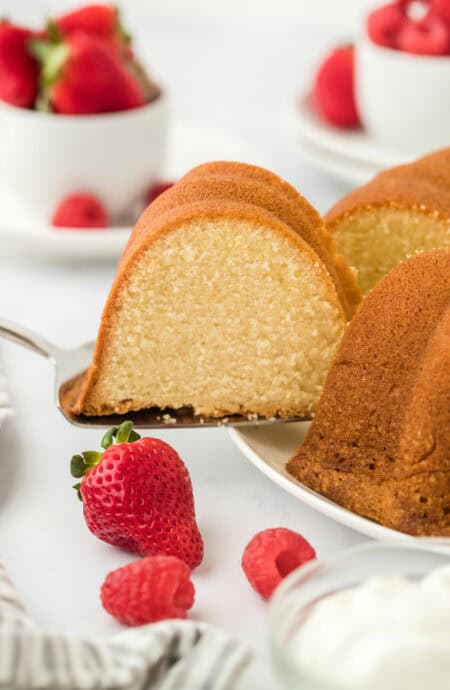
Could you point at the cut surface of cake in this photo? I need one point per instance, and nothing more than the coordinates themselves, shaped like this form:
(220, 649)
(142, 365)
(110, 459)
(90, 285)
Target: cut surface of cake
(380, 441)
(217, 305)
(400, 212)
(263, 188)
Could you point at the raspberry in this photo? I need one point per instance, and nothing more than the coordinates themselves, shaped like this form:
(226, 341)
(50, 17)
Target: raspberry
(149, 590)
(333, 90)
(430, 36)
(384, 24)
(441, 9)
(158, 188)
(80, 211)
(271, 555)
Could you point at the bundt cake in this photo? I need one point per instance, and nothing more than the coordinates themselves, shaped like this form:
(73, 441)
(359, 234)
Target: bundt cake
(379, 444)
(224, 301)
(401, 211)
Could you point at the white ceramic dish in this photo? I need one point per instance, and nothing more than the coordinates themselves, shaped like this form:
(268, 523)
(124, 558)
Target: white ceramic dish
(189, 145)
(348, 154)
(116, 156)
(353, 172)
(269, 448)
(403, 99)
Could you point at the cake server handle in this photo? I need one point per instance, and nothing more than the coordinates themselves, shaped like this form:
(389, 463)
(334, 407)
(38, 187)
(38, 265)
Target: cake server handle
(23, 336)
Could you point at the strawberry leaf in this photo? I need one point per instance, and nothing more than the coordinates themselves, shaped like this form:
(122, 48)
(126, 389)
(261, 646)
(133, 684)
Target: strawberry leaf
(122, 434)
(80, 464)
(77, 488)
(124, 431)
(77, 466)
(91, 457)
(54, 63)
(52, 56)
(108, 438)
(53, 32)
(39, 49)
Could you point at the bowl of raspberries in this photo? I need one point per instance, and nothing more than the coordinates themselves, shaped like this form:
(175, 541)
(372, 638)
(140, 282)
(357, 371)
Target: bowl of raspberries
(395, 83)
(84, 126)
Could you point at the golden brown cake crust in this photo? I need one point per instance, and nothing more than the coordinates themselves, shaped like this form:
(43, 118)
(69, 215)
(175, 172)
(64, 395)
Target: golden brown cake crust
(380, 441)
(153, 224)
(261, 175)
(314, 231)
(422, 186)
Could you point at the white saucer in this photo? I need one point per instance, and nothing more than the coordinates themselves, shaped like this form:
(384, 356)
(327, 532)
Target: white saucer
(190, 144)
(348, 154)
(270, 447)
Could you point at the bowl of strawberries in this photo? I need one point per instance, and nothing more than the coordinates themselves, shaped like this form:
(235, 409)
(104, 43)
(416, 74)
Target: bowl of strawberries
(402, 75)
(81, 119)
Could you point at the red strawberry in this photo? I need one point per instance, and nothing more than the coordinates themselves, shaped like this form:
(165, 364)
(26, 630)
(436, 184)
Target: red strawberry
(80, 210)
(85, 75)
(271, 555)
(19, 71)
(153, 589)
(138, 495)
(158, 188)
(384, 24)
(429, 36)
(98, 20)
(333, 90)
(441, 8)
(103, 21)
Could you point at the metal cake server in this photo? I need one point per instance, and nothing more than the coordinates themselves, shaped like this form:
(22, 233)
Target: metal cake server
(69, 363)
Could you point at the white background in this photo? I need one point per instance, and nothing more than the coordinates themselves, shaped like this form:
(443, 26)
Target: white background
(239, 66)
(335, 12)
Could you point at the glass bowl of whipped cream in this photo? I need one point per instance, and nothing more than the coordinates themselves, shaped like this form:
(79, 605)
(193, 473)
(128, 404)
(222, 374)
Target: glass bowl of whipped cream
(373, 617)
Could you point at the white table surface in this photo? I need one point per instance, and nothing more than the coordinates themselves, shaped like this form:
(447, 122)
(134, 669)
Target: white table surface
(240, 77)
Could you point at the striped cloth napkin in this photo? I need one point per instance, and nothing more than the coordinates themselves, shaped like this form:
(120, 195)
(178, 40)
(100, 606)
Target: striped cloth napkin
(171, 655)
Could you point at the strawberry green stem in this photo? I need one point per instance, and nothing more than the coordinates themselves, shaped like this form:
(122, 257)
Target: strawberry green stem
(124, 35)
(123, 434)
(81, 464)
(53, 32)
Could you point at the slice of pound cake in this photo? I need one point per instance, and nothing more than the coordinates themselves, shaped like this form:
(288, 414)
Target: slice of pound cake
(400, 212)
(219, 304)
(380, 441)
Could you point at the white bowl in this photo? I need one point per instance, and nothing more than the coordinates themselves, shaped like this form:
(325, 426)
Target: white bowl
(303, 588)
(403, 99)
(47, 156)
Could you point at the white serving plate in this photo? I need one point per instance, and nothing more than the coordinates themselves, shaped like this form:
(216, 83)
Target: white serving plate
(349, 154)
(189, 144)
(5, 409)
(270, 447)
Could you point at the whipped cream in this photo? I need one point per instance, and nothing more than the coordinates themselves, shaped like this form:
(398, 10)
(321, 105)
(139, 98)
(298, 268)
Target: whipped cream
(388, 633)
